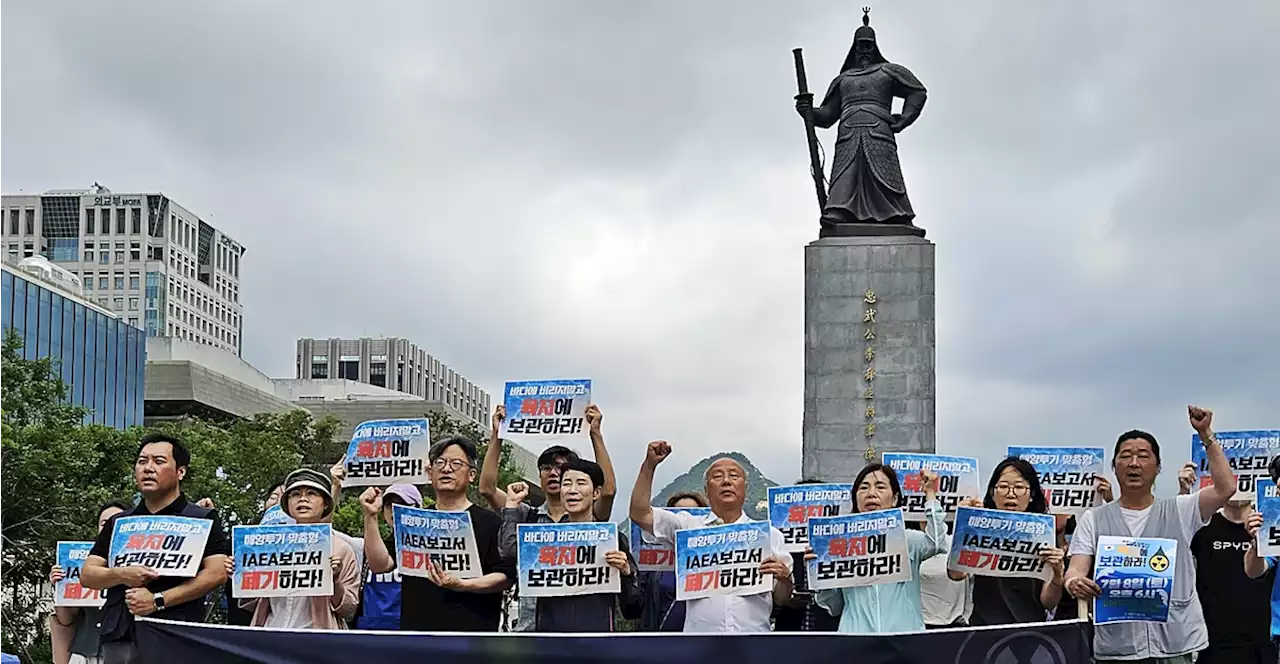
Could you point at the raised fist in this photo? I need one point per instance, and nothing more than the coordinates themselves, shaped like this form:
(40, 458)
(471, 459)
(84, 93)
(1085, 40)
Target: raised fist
(594, 417)
(658, 452)
(371, 501)
(1201, 419)
(516, 494)
(499, 414)
(1187, 478)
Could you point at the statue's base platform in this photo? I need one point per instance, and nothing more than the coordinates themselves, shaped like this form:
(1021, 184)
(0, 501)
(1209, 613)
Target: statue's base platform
(870, 230)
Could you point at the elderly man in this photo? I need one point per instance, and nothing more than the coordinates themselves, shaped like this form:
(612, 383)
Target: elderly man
(725, 484)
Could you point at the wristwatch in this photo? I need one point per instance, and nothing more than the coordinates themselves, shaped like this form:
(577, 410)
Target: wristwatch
(159, 599)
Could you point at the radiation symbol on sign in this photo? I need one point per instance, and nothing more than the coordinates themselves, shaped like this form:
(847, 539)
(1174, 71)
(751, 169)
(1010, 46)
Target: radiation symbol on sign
(1159, 562)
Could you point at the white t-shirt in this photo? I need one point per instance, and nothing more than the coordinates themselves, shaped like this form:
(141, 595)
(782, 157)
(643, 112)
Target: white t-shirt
(730, 613)
(1085, 540)
(943, 601)
(289, 613)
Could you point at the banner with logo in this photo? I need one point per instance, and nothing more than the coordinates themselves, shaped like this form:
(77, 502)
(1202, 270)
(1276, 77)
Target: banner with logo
(1000, 543)
(68, 591)
(1066, 475)
(447, 539)
(284, 560)
(1269, 505)
(722, 560)
(559, 559)
(957, 480)
(1136, 578)
(1248, 452)
(546, 409)
(275, 516)
(791, 507)
(164, 642)
(863, 549)
(170, 545)
(652, 555)
(385, 452)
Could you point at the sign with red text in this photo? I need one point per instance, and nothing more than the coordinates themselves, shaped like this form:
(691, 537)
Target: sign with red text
(446, 539)
(547, 409)
(282, 560)
(791, 507)
(385, 452)
(722, 560)
(68, 591)
(170, 545)
(560, 559)
(862, 549)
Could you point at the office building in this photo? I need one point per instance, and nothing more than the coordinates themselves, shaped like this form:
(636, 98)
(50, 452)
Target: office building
(97, 355)
(143, 256)
(191, 379)
(395, 364)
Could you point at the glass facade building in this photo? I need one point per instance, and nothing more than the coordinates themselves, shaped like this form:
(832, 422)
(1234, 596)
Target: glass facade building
(101, 358)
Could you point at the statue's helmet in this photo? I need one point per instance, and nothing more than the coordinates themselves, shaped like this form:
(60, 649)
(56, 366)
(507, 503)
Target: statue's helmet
(866, 35)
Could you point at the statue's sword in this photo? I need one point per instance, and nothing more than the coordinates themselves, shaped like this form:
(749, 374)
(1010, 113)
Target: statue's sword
(815, 163)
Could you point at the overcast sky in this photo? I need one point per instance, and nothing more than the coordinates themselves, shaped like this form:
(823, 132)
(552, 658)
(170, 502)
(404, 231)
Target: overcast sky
(619, 190)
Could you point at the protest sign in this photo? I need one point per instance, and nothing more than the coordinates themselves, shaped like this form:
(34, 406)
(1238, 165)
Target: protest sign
(282, 560)
(1001, 543)
(68, 591)
(863, 549)
(1136, 578)
(652, 555)
(791, 507)
(385, 452)
(275, 516)
(170, 545)
(1066, 475)
(957, 480)
(1269, 505)
(721, 560)
(447, 539)
(560, 559)
(1248, 452)
(547, 409)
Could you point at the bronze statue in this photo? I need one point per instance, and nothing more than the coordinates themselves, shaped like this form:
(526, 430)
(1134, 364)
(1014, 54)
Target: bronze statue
(867, 195)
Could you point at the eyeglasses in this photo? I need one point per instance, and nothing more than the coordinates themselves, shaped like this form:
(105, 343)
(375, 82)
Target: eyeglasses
(449, 464)
(548, 467)
(1016, 489)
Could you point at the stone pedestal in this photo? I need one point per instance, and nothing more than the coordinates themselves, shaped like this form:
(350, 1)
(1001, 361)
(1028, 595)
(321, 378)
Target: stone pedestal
(838, 410)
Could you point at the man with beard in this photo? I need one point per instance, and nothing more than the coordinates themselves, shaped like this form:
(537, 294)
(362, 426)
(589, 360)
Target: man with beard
(550, 467)
(140, 591)
(442, 602)
(580, 484)
(1138, 513)
(725, 483)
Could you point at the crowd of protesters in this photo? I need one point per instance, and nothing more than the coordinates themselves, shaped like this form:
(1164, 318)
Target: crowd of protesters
(1224, 608)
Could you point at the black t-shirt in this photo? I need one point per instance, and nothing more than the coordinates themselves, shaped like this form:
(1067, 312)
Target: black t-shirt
(117, 622)
(1237, 609)
(999, 601)
(426, 607)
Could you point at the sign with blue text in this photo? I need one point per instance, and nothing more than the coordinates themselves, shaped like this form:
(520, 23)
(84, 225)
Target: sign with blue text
(722, 560)
(863, 549)
(652, 555)
(547, 409)
(1136, 578)
(275, 516)
(445, 539)
(1248, 452)
(560, 559)
(791, 507)
(1066, 475)
(282, 560)
(1001, 543)
(170, 545)
(68, 591)
(386, 452)
(957, 480)
(1269, 505)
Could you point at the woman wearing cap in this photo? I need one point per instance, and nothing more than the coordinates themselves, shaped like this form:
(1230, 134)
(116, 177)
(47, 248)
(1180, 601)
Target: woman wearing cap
(308, 498)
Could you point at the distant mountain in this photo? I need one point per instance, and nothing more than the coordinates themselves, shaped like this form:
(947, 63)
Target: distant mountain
(757, 485)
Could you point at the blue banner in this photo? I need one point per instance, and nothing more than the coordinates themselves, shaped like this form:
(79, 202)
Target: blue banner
(275, 516)
(282, 560)
(547, 409)
(445, 539)
(161, 642)
(957, 480)
(652, 555)
(1066, 474)
(557, 559)
(68, 591)
(1269, 506)
(862, 549)
(1248, 452)
(790, 508)
(170, 545)
(722, 560)
(1001, 543)
(386, 452)
(1136, 578)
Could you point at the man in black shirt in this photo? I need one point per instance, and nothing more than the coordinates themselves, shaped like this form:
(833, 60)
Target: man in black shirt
(1237, 609)
(140, 591)
(442, 602)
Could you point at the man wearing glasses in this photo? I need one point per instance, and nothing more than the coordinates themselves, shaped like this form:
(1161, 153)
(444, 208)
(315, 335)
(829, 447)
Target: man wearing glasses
(550, 467)
(443, 602)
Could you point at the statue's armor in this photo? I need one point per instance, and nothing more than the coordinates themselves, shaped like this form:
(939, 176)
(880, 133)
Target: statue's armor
(866, 97)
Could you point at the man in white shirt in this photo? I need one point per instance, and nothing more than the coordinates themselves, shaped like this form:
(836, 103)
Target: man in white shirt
(726, 489)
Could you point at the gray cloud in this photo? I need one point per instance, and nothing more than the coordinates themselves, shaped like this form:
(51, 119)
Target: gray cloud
(619, 191)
